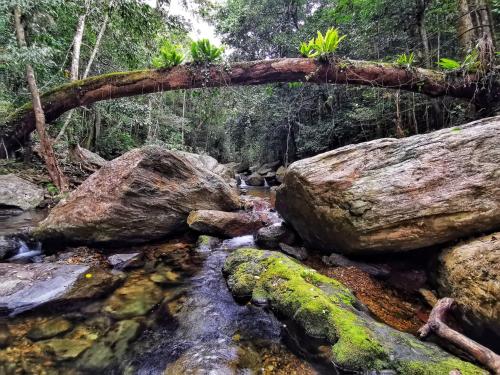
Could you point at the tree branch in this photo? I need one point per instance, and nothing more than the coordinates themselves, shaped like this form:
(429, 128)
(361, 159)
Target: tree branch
(123, 84)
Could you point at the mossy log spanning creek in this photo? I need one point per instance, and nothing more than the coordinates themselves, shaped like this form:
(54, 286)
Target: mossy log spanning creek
(21, 123)
(325, 309)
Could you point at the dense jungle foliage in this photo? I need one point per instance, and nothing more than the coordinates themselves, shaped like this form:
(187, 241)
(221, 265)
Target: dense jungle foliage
(249, 124)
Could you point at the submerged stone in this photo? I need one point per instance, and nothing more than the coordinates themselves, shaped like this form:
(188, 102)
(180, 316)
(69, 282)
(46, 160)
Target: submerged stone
(325, 309)
(135, 298)
(50, 328)
(5, 335)
(111, 348)
(66, 349)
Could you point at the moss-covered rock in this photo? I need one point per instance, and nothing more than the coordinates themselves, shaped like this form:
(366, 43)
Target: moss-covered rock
(326, 309)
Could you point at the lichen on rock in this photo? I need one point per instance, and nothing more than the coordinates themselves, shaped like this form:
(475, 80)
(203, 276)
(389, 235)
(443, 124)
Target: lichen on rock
(326, 309)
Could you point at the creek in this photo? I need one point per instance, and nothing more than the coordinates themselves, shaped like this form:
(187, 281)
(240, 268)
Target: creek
(192, 325)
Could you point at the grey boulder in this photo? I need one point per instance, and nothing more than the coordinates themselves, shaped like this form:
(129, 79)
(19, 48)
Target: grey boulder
(394, 195)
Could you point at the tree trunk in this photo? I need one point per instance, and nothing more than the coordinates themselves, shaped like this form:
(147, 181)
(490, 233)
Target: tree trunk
(39, 117)
(475, 22)
(77, 44)
(421, 7)
(117, 85)
(97, 42)
(77, 41)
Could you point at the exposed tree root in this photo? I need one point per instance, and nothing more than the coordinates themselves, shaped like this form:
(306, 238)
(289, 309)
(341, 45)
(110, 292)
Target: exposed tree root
(436, 324)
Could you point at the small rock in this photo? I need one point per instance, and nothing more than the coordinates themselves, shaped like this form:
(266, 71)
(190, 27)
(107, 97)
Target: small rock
(65, 349)
(124, 261)
(271, 236)
(225, 224)
(26, 286)
(375, 270)
(299, 253)
(206, 243)
(135, 298)
(255, 179)
(49, 329)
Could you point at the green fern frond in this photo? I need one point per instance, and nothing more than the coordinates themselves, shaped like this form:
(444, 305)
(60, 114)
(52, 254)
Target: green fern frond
(322, 45)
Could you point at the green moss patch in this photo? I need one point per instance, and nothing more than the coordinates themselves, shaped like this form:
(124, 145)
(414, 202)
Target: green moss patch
(326, 309)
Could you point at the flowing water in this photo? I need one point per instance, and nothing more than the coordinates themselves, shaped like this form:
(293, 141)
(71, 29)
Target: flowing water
(198, 328)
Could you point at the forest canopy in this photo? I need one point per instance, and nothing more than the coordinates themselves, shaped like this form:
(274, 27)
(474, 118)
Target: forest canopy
(284, 121)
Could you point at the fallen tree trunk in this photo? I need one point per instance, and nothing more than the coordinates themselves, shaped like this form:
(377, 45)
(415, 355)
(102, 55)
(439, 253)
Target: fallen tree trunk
(117, 85)
(437, 326)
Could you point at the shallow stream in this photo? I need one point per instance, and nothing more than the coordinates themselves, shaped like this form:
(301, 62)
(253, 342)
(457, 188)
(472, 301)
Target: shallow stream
(172, 314)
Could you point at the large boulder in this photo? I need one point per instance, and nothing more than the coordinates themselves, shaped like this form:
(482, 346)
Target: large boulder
(209, 163)
(143, 195)
(27, 286)
(326, 310)
(470, 273)
(225, 224)
(397, 194)
(18, 193)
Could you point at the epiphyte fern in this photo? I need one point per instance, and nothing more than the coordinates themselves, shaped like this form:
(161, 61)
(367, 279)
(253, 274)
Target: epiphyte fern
(203, 51)
(322, 46)
(168, 56)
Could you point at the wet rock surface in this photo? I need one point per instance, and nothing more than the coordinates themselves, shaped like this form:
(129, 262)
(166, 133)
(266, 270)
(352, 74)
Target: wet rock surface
(135, 298)
(394, 195)
(469, 272)
(225, 224)
(296, 252)
(270, 237)
(27, 286)
(326, 309)
(143, 195)
(49, 329)
(123, 261)
(18, 193)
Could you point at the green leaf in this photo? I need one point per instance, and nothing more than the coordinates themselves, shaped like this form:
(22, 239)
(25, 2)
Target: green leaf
(322, 45)
(449, 64)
